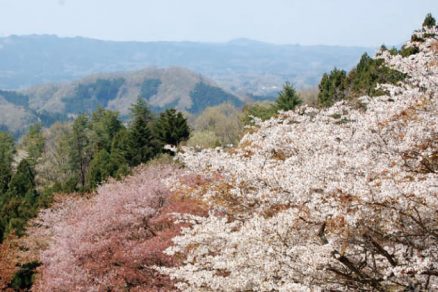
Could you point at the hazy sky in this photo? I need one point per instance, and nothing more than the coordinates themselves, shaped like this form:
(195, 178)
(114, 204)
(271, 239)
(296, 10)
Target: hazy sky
(335, 22)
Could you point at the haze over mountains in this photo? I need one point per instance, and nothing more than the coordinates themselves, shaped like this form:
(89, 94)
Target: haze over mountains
(172, 87)
(242, 66)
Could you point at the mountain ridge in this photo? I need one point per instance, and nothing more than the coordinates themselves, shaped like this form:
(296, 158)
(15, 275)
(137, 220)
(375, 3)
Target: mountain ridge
(34, 59)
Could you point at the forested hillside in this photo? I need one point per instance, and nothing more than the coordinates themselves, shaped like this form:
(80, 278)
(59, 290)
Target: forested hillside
(240, 65)
(338, 196)
(160, 88)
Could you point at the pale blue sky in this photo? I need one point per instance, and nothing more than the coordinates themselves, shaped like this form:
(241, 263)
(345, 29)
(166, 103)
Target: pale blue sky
(333, 22)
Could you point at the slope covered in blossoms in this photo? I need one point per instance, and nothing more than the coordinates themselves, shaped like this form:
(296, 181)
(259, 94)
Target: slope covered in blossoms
(113, 240)
(340, 198)
(343, 198)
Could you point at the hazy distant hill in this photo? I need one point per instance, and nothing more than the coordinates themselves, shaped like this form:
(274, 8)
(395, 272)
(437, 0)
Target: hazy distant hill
(242, 65)
(162, 88)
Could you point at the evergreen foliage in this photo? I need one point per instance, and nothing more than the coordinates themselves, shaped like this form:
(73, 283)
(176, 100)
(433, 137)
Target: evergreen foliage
(332, 87)
(79, 154)
(142, 145)
(429, 21)
(408, 51)
(288, 98)
(104, 125)
(171, 128)
(100, 168)
(362, 80)
(24, 278)
(121, 154)
(20, 202)
(7, 151)
(33, 143)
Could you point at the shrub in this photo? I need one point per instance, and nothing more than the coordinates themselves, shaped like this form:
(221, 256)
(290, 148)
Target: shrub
(408, 51)
(416, 38)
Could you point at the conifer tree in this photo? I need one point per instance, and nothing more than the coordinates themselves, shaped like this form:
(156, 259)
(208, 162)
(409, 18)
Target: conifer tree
(429, 21)
(20, 202)
(104, 125)
(171, 128)
(332, 87)
(33, 143)
(99, 170)
(23, 180)
(142, 145)
(120, 154)
(7, 150)
(288, 98)
(80, 148)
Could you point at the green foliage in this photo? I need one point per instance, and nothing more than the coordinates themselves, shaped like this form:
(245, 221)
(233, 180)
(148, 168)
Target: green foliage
(362, 80)
(204, 95)
(33, 143)
(7, 151)
(120, 156)
(263, 111)
(79, 150)
(171, 128)
(408, 51)
(104, 125)
(99, 170)
(288, 98)
(20, 202)
(332, 87)
(416, 38)
(142, 145)
(429, 21)
(393, 51)
(223, 120)
(23, 279)
(23, 181)
(203, 139)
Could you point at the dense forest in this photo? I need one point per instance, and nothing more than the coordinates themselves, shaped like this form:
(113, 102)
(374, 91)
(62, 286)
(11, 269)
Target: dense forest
(78, 156)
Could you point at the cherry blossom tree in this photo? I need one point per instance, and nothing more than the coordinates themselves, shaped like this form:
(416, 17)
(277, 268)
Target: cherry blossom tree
(343, 198)
(113, 239)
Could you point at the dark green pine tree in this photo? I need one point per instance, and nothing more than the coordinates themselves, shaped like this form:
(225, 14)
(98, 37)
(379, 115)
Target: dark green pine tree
(23, 181)
(99, 170)
(33, 143)
(171, 128)
(140, 110)
(332, 87)
(7, 150)
(429, 21)
(142, 145)
(20, 203)
(80, 150)
(120, 154)
(288, 99)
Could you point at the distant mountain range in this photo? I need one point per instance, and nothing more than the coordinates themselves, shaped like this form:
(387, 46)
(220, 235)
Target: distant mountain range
(161, 88)
(241, 66)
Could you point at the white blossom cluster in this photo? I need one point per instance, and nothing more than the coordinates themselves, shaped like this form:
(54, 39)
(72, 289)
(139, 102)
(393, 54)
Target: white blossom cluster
(342, 198)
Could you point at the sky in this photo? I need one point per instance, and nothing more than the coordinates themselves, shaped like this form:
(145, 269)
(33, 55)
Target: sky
(305, 22)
